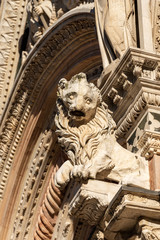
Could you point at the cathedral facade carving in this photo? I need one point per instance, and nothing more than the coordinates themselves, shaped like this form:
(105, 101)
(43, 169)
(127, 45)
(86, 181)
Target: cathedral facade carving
(80, 114)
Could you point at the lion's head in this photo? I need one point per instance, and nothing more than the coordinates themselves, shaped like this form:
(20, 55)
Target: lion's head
(79, 97)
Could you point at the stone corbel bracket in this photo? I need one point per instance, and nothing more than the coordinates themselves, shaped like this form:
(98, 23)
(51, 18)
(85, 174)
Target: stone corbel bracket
(91, 201)
(149, 143)
(132, 85)
(127, 210)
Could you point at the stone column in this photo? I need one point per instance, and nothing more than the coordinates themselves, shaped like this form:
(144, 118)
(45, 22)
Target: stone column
(145, 26)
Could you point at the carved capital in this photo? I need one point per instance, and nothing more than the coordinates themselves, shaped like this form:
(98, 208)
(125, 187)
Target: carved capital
(149, 143)
(91, 201)
(149, 230)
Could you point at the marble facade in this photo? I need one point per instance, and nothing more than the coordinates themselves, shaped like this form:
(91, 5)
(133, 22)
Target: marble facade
(115, 46)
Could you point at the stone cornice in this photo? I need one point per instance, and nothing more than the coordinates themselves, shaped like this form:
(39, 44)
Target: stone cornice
(132, 58)
(144, 204)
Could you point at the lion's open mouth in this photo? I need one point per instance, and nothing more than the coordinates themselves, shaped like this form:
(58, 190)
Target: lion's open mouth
(77, 113)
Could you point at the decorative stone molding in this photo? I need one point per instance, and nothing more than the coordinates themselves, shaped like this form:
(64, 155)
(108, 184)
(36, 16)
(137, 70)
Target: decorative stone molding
(37, 170)
(134, 61)
(12, 24)
(132, 116)
(146, 99)
(146, 135)
(130, 213)
(83, 208)
(91, 200)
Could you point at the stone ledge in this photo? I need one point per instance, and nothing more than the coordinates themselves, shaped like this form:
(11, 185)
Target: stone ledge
(126, 209)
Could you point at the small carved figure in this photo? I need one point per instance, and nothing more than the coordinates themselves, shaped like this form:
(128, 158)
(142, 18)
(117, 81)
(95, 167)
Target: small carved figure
(86, 131)
(39, 12)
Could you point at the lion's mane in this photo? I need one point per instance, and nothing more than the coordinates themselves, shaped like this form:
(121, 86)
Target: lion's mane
(81, 142)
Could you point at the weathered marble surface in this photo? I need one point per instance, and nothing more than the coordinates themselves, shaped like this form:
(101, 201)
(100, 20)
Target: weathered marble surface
(86, 131)
(99, 210)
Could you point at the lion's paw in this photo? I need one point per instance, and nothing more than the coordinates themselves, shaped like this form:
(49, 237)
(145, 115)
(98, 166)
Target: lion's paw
(80, 172)
(63, 175)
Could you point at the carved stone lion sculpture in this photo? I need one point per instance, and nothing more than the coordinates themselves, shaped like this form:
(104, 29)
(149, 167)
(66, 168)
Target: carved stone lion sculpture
(86, 132)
